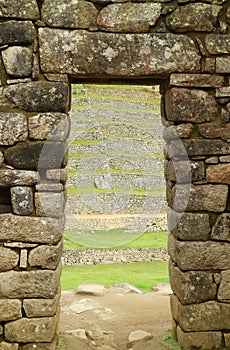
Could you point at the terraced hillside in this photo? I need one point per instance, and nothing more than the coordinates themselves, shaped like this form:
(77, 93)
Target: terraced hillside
(116, 159)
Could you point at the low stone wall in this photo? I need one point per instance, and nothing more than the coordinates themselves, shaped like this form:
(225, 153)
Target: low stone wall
(113, 256)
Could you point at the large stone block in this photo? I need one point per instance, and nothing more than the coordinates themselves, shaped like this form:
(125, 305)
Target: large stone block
(50, 204)
(10, 177)
(69, 14)
(9, 346)
(46, 256)
(27, 330)
(217, 44)
(38, 96)
(185, 171)
(8, 259)
(196, 80)
(224, 290)
(199, 255)
(194, 17)
(19, 9)
(192, 286)
(37, 155)
(30, 229)
(208, 316)
(199, 340)
(17, 33)
(129, 17)
(213, 131)
(10, 310)
(84, 53)
(221, 229)
(41, 307)
(192, 227)
(29, 284)
(190, 105)
(18, 61)
(223, 64)
(51, 126)
(219, 173)
(13, 128)
(200, 197)
(198, 147)
(22, 200)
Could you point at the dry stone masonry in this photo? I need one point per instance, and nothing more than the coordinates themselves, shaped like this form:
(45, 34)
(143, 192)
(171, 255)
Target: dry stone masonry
(46, 46)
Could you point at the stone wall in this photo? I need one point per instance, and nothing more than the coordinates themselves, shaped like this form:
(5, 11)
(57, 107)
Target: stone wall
(47, 45)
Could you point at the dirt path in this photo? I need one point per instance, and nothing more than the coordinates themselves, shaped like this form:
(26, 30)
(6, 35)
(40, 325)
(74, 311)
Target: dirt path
(108, 320)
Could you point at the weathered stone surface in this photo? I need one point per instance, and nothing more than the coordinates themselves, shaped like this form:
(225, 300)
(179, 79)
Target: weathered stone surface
(40, 307)
(10, 177)
(28, 330)
(223, 92)
(197, 147)
(221, 229)
(192, 227)
(225, 159)
(224, 290)
(23, 258)
(30, 229)
(8, 259)
(185, 171)
(228, 15)
(80, 52)
(139, 335)
(9, 346)
(223, 64)
(91, 289)
(196, 80)
(18, 61)
(50, 187)
(199, 340)
(183, 131)
(41, 346)
(194, 17)
(57, 175)
(10, 309)
(203, 197)
(218, 44)
(213, 131)
(192, 286)
(199, 255)
(29, 284)
(1, 159)
(50, 204)
(51, 126)
(13, 128)
(190, 105)
(38, 96)
(208, 316)
(129, 17)
(227, 339)
(34, 155)
(22, 200)
(19, 9)
(46, 256)
(219, 173)
(69, 14)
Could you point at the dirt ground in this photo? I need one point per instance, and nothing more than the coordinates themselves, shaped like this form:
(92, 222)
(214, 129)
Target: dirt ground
(105, 322)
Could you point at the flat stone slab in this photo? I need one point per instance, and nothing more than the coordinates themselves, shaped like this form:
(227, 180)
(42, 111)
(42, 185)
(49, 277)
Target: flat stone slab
(82, 53)
(91, 289)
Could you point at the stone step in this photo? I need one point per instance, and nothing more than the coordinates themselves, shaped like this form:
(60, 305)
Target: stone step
(113, 180)
(115, 202)
(135, 223)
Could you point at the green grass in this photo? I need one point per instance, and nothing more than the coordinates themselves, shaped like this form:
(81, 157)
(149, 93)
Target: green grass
(169, 341)
(130, 110)
(87, 190)
(116, 98)
(132, 240)
(141, 275)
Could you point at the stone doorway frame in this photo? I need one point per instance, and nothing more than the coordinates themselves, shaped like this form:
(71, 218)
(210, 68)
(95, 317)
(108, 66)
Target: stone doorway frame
(43, 51)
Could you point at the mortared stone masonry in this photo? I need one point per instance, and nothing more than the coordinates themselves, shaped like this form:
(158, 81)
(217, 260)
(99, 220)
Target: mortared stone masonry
(45, 46)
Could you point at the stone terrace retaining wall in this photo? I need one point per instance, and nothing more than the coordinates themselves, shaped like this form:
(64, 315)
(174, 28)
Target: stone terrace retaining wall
(47, 45)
